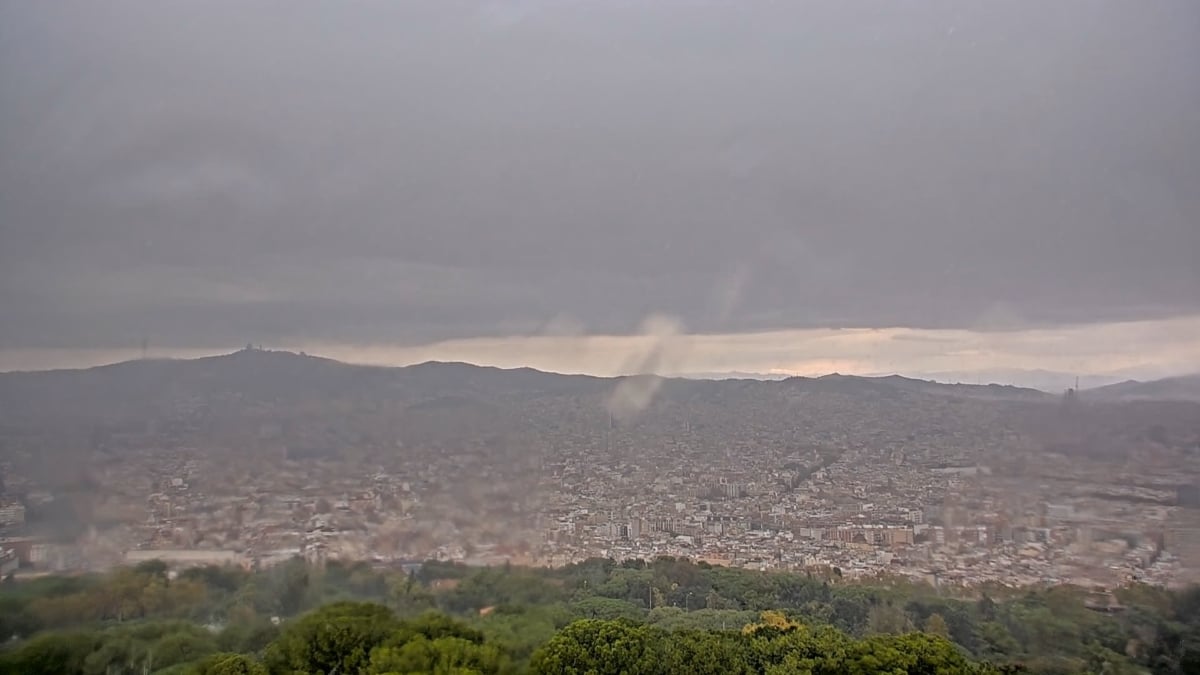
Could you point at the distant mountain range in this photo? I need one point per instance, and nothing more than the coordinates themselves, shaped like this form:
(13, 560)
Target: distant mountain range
(280, 376)
(1034, 379)
(734, 375)
(277, 377)
(263, 403)
(1183, 388)
(1044, 380)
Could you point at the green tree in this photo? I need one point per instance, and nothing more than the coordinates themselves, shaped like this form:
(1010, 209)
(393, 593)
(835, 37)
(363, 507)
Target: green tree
(598, 647)
(788, 647)
(152, 568)
(409, 596)
(608, 609)
(912, 654)
(119, 652)
(888, 619)
(246, 636)
(521, 632)
(225, 579)
(181, 647)
(1107, 662)
(432, 626)
(441, 656)
(292, 586)
(16, 620)
(51, 654)
(225, 663)
(997, 643)
(936, 625)
(337, 637)
(705, 653)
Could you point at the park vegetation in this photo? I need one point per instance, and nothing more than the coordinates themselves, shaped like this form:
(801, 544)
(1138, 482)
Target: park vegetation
(599, 616)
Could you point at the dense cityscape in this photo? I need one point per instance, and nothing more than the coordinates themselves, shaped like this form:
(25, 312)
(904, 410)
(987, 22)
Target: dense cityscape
(859, 477)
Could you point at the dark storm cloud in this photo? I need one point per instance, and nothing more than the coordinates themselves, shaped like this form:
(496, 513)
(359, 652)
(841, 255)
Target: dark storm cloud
(209, 173)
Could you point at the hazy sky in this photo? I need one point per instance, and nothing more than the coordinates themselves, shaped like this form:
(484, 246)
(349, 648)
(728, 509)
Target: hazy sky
(389, 176)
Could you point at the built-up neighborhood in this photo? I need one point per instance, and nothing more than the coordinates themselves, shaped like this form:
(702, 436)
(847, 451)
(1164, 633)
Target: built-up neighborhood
(954, 490)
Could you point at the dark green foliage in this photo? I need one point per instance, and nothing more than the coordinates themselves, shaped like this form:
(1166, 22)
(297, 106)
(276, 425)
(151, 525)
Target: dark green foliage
(521, 631)
(608, 608)
(336, 638)
(182, 647)
(914, 654)
(448, 654)
(16, 619)
(152, 568)
(134, 647)
(706, 653)
(225, 663)
(217, 579)
(290, 584)
(500, 586)
(434, 626)
(247, 636)
(50, 654)
(595, 647)
(446, 617)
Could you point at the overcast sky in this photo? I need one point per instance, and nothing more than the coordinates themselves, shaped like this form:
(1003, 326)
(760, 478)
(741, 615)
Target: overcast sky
(390, 175)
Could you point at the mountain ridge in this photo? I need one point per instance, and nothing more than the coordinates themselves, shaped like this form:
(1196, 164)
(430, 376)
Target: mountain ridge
(1179, 388)
(248, 361)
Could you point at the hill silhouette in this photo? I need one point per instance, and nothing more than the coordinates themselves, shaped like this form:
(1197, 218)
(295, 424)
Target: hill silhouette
(262, 376)
(1182, 388)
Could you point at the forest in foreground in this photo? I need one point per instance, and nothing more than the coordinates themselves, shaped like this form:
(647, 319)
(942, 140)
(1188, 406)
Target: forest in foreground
(599, 616)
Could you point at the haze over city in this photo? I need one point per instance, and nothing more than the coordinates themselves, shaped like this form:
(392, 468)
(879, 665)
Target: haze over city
(513, 337)
(393, 182)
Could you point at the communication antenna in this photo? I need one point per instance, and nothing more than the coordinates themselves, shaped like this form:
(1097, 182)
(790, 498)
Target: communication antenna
(145, 347)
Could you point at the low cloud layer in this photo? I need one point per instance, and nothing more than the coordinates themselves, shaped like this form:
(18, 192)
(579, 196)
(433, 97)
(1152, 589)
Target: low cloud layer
(207, 174)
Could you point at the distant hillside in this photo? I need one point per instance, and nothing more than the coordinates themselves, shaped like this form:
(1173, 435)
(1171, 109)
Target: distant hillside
(899, 383)
(271, 404)
(284, 377)
(1044, 380)
(734, 375)
(261, 377)
(1183, 388)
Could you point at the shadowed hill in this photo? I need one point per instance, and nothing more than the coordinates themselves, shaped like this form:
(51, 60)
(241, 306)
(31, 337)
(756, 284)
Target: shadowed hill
(893, 385)
(277, 377)
(1182, 388)
(258, 376)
